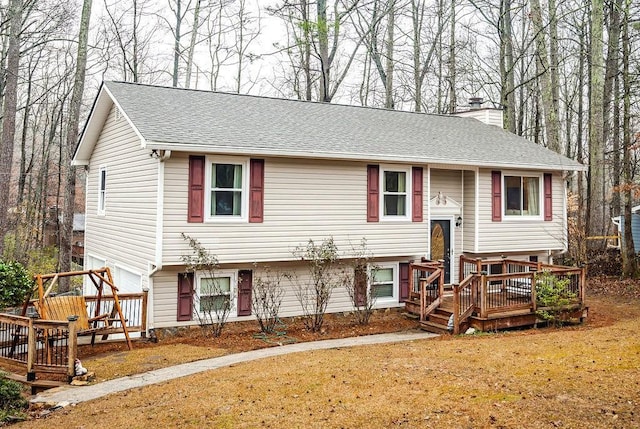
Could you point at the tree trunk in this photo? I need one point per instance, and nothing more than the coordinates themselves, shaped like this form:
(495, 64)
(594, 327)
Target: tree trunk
(9, 115)
(507, 78)
(611, 75)
(192, 44)
(544, 77)
(596, 185)
(453, 102)
(323, 51)
(389, 104)
(629, 260)
(66, 239)
(176, 43)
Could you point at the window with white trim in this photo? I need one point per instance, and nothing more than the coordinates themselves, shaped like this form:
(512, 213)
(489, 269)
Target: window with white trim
(396, 193)
(383, 284)
(102, 189)
(216, 293)
(227, 189)
(522, 195)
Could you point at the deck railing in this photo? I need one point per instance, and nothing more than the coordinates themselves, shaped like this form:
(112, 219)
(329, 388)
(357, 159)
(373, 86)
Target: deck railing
(426, 282)
(133, 306)
(38, 345)
(491, 287)
(465, 296)
(50, 346)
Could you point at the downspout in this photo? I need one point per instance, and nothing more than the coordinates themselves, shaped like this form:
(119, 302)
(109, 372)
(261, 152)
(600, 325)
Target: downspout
(428, 249)
(161, 156)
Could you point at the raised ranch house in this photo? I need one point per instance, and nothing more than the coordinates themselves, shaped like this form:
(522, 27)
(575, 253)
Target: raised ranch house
(252, 178)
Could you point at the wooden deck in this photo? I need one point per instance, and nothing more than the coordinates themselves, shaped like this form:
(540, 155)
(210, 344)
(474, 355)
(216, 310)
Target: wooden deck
(489, 302)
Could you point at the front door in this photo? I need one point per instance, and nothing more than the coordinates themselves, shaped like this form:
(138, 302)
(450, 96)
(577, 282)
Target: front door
(441, 245)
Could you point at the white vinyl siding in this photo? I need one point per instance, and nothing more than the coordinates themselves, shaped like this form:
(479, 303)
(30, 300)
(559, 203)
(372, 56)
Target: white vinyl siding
(165, 294)
(527, 234)
(125, 234)
(469, 212)
(303, 200)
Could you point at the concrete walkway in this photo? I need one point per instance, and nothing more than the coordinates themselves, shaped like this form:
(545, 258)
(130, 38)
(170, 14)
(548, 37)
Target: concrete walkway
(66, 395)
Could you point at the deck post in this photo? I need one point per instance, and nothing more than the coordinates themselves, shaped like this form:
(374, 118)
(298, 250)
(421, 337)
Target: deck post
(583, 284)
(483, 294)
(145, 300)
(534, 299)
(423, 299)
(461, 268)
(72, 347)
(31, 350)
(441, 279)
(456, 310)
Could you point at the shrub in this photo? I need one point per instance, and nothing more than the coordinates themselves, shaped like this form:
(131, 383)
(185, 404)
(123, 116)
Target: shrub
(357, 277)
(266, 298)
(322, 260)
(12, 403)
(213, 308)
(15, 284)
(553, 294)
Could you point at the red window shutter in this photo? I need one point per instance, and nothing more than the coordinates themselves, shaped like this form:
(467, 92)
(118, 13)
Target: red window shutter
(360, 285)
(256, 191)
(417, 194)
(245, 284)
(373, 193)
(196, 189)
(548, 200)
(496, 196)
(185, 296)
(404, 281)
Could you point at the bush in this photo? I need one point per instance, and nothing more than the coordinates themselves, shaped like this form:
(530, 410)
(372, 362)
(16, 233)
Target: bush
(552, 294)
(358, 274)
(15, 284)
(267, 297)
(324, 276)
(12, 403)
(213, 308)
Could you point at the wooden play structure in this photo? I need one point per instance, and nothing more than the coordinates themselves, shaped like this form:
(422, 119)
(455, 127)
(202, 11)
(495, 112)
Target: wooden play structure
(105, 320)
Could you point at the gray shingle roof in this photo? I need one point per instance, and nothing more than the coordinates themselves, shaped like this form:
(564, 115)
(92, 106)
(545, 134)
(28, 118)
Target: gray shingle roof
(181, 119)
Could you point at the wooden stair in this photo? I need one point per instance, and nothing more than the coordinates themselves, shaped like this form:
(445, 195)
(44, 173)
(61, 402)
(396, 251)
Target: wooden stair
(437, 321)
(37, 385)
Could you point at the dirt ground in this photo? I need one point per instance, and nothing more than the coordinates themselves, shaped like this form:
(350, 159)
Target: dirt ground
(577, 376)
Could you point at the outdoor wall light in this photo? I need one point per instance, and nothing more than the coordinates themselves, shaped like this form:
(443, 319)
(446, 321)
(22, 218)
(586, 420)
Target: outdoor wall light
(459, 221)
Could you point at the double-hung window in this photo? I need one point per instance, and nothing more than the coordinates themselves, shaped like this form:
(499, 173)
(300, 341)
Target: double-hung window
(522, 196)
(227, 194)
(395, 193)
(102, 189)
(384, 282)
(215, 294)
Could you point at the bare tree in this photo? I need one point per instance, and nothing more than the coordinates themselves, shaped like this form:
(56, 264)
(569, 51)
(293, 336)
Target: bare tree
(596, 182)
(73, 120)
(9, 113)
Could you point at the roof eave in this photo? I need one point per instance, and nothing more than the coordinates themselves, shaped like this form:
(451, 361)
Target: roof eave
(270, 152)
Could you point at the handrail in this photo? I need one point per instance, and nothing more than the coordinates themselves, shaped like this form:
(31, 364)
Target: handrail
(463, 308)
(423, 292)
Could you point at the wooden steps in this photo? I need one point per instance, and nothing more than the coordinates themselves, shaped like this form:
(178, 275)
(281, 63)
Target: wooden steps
(37, 385)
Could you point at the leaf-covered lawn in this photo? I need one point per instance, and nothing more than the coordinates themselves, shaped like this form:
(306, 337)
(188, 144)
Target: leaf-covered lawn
(576, 377)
